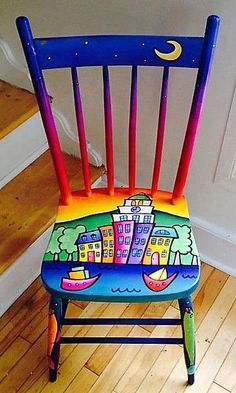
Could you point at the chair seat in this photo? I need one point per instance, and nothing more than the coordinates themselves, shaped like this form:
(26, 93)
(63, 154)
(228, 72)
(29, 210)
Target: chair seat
(123, 247)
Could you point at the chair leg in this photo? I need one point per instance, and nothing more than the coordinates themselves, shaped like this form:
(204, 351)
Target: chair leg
(187, 318)
(54, 335)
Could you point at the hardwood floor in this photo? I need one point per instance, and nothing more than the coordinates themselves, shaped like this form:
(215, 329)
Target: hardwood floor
(122, 368)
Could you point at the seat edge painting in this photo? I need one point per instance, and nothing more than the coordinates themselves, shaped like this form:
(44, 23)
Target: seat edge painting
(133, 246)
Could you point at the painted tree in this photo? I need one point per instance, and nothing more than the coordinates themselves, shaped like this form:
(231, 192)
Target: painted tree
(194, 250)
(182, 244)
(53, 246)
(68, 239)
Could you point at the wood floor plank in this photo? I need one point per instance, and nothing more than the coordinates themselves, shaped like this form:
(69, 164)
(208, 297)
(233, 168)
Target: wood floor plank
(12, 355)
(214, 357)
(22, 370)
(205, 333)
(145, 359)
(72, 365)
(119, 364)
(39, 377)
(104, 353)
(21, 302)
(217, 389)
(18, 322)
(226, 376)
(83, 381)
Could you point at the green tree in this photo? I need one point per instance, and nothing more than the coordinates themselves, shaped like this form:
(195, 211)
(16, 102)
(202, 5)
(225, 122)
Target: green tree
(182, 244)
(68, 238)
(53, 246)
(194, 250)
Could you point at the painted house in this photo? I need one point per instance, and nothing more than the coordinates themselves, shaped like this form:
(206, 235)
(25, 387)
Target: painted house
(107, 235)
(132, 228)
(90, 246)
(158, 248)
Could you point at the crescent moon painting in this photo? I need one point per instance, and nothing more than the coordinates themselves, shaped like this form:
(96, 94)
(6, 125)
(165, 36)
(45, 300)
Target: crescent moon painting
(170, 56)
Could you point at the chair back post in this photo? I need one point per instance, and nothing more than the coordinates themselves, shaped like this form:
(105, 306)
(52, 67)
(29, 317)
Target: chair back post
(81, 131)
(132, 129)
(108, 130)
(44, 106)
(209, 44)
(160, 131)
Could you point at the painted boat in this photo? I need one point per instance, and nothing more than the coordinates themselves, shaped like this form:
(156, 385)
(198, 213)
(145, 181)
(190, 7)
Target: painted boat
(158, 280)
(78, 280)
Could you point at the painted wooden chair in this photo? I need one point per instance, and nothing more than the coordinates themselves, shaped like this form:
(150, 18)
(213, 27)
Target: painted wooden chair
(120, 244)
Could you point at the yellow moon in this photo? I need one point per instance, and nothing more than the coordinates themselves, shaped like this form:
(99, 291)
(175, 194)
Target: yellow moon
(174, 55)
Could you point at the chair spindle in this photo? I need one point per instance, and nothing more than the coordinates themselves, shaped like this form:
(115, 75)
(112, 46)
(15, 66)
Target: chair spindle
(81, 131)
(132, 130)
(160, 131)
(196, 108)
(42, 96)
(108, 130)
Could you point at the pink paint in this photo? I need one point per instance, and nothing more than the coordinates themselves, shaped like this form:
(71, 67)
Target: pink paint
(81, 131)
(132, 130)
(108, 131)
(123, 236)
(160, 131)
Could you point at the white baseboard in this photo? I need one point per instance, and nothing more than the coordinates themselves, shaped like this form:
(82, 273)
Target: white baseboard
(215, 247)
(17, 278)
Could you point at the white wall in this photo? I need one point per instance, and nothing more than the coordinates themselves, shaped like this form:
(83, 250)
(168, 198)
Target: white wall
(212, 204)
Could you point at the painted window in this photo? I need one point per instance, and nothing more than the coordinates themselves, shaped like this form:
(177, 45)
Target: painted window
(120, 228)
(136, 217)
(94, 236)
(149, 252)
(154, 241)
(163, 232)
(90, 246)
(127, 240)
(111, 243)
(121, 240)
(110, 231)
(143, 241)
(147, 219)
(136, 240)
(123, 218)
(133, 203)
(139, 229)
(127, 228)
(106, 243)
(82, 254)
(134, 252)
(97, 254)
(164, 253)
(167, 242)
(160, 241)
(118, 253)
(110, 253)
(124, 253)
(83, 238)
(146, 229)
(97, 245)
(104, 232)
(105, 253)
(82, 247)
(140, 203)
(139, 253)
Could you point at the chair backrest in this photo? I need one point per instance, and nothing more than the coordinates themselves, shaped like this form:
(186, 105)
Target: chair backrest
(119, 50)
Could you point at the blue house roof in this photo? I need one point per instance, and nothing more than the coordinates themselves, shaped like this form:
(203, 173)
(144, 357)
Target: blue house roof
(164, 232)
(88, 237)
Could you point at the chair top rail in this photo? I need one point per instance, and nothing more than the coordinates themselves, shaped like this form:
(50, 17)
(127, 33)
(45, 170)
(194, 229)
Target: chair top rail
(117, 50)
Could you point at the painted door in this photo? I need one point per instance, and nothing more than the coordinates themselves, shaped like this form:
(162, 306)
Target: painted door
(155, 258)
(91, 256)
